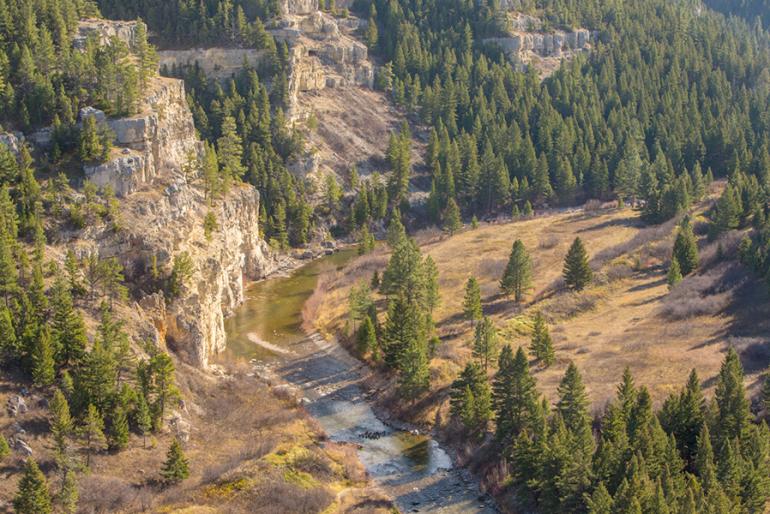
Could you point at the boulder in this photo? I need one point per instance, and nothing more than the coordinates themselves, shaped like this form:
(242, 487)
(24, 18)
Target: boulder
(17, 405)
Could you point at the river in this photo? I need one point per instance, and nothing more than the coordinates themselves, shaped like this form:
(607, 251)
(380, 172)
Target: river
(413, 469)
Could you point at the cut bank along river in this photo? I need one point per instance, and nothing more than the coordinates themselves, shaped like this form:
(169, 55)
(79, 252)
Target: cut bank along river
(413, 469)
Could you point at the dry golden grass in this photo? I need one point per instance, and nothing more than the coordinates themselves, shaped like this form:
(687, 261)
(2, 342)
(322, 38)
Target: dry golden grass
(623, 319)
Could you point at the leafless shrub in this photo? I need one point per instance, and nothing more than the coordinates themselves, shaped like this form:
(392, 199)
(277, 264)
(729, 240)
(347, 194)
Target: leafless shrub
(592, 205)
(619, 272)
(646, 235)
(279, 497)
(491, 267)
(548, 242)
(697, 295)
(313, 463)
(103, 494)
(570, 304)
(429, 236)
(728, 242)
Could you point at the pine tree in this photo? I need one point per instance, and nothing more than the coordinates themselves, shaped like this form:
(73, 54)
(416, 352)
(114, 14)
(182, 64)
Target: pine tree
(143, 418)
(452, 220)
(9, 346)
(704, 461)
(414, 371)
(472, 302)
(732, 406)
(176, 467)
(91, 148)
(5, 449)
(674, 275)
(573, 401)
(541, 346)
(600, 501)
(230, 152)
(514, 394)
(92, 432)
(686, 248)
(118, 432)
(61, 426)
(470, 398)
(485, 342)
(517, 277)
(577, 273)
(366, 339)
(68, 497)
(43, 365)
(68, 329)
(146, 55)
(163, 387)
(32, 496)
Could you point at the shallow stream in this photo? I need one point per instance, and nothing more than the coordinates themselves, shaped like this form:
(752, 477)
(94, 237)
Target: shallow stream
(412, 468)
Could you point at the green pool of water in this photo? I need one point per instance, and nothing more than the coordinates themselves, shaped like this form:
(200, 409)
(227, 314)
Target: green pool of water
(272, 311)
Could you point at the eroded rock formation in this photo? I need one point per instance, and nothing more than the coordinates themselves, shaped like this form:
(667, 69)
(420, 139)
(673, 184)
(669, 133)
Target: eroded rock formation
(215, 62)
(163, 208)
(161, 137)
(526, 43)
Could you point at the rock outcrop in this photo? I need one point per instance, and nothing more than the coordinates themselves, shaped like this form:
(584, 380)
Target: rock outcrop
(165, 221)
(161, 138)
(526, 43)
(12, 141)
(163, 209)
(324, 54)
(290, 7)
(105, 30)
(215, 62)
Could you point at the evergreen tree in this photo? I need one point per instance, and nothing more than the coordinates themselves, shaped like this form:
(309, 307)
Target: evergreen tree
(230, 152)
(5, 449)
(452, 220)
(145, 53)
(92, 432)
(32, 496)
(686, 248)
(541, 346)
(118, 432)
(470, 398)
(414, 371)
(577, 273)
(517, 277)
(176, 467)
(472, 302)
(68, 497)
(674, 275)
(514, 395)
(143, 418)
(573, 401)
(61, 426)
(485, 342)
(600, 501)
(732, 406)
(43, 366)
(366, 339)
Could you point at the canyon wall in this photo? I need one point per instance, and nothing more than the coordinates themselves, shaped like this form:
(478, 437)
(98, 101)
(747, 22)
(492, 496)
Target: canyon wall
(163, 208)
(215, 62)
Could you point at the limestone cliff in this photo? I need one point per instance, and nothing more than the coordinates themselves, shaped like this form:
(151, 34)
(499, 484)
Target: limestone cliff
(161, 137)
(526, 43)
(215, 62)
(163, 208)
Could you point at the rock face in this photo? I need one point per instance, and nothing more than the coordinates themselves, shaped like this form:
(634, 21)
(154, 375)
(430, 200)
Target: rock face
(299, 6)
(216, 62)
(161, 137)
(163, 212)
(104, 31)
(527, 44)
(12, 141)
(324, 54)
(166, 221)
